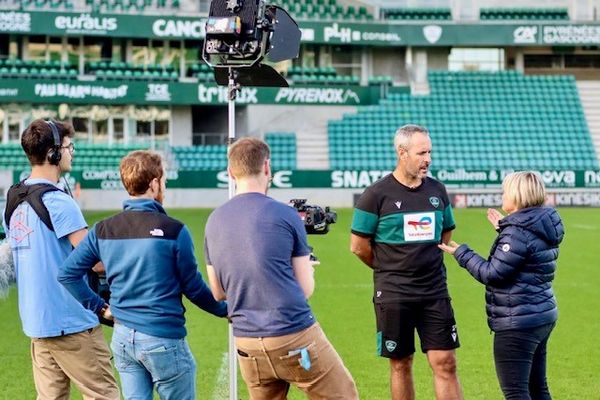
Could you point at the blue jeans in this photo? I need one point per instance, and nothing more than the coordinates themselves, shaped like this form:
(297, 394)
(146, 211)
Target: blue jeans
(144, 361)
(520, 357)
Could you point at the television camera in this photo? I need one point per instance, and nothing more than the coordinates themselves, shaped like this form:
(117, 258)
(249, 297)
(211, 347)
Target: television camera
(316, 220)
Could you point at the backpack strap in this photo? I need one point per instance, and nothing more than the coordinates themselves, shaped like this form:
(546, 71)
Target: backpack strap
(32, 194)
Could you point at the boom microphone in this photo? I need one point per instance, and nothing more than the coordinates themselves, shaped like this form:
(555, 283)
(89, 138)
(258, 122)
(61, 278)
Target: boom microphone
(7, 269)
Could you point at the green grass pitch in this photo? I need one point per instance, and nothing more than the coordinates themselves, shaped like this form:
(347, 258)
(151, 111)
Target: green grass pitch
(342, 304)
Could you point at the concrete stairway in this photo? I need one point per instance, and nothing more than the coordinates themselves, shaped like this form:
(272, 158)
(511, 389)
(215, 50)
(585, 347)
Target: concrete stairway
(589, 93)
(313, 147)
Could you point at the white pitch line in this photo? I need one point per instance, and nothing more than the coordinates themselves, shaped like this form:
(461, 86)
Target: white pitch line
(221, 390)
(586, 227)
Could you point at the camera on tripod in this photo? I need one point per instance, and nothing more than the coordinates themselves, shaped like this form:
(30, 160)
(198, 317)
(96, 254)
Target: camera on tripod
(316, 219)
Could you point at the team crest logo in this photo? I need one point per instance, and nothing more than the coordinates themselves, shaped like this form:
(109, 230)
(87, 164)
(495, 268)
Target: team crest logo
(434, 201)
(432, 33)
(390, 345)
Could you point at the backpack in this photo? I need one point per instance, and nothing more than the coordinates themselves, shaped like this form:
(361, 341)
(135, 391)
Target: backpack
(32, 194)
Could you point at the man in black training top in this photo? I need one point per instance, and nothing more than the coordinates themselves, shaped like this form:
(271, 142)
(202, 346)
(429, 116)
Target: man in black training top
(398, 223)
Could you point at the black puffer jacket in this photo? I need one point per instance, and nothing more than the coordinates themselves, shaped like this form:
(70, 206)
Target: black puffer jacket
(518, 273)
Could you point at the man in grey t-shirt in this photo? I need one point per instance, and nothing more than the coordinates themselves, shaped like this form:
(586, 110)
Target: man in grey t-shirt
(258, 259)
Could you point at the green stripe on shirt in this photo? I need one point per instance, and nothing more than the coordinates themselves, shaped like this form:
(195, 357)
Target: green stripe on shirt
(364, 222)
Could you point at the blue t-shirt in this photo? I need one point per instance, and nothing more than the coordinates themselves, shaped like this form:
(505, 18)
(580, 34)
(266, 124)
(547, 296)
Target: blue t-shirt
(250, 242)
(45, 306)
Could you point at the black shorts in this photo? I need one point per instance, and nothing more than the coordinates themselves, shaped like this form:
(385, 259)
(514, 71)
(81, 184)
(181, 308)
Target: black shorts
(396, 324)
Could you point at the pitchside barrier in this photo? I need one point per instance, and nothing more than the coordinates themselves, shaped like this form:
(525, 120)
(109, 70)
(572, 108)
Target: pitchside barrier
(102, 189)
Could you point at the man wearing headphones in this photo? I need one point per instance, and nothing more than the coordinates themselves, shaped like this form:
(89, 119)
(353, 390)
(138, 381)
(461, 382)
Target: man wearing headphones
(67, 344)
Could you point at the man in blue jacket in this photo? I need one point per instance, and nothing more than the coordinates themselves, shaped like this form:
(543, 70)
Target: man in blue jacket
(149, 261)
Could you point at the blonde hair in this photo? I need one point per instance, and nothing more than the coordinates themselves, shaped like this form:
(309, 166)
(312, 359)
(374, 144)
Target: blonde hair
(524, 189)
(247, 156)
(138, 169)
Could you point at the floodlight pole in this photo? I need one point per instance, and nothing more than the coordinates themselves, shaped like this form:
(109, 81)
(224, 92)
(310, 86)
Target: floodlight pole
(232, 89)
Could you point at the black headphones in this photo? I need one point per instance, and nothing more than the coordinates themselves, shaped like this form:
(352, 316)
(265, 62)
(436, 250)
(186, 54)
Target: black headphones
(54, 154)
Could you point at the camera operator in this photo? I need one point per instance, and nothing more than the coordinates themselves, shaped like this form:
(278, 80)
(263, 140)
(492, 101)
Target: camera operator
(258, 258)
(149, 261)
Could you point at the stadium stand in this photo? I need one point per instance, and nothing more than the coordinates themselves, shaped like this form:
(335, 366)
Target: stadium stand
(12, 156)
(87, 156)
(120, 70)
(480, 120)
(105, 6)
(212, 157)
(323, 75)
(209, 157)
(15, 68)
(283, 149)
(100, 156)
(53, 5)
(134, 5)
(324, 10)
(416, 14)
(552, 14)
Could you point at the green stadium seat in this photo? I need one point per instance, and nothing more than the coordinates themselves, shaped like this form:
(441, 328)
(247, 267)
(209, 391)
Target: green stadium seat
(477, 120)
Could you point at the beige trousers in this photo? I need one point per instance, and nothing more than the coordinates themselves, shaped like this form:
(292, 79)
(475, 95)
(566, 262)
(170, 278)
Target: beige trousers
(83, 358)
(269, 365)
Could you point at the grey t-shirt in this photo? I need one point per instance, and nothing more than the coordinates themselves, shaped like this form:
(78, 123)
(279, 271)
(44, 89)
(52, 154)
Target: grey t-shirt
(250, 242)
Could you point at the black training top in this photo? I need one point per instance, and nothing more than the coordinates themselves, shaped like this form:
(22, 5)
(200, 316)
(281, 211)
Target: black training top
(405, 226)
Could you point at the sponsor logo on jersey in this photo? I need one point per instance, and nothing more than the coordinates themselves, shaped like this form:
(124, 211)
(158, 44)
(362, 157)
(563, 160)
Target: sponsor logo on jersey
(419, 227)
(423, 224)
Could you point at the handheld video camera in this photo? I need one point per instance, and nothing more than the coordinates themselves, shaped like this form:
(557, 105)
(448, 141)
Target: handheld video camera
(316, 220)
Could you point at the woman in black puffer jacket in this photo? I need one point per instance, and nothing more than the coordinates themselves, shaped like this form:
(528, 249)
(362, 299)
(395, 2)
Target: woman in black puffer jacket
(518, 275)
